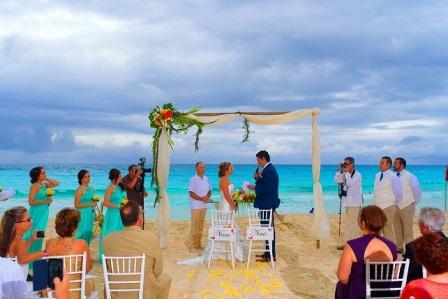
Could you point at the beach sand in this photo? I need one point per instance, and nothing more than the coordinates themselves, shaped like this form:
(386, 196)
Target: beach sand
(302, 271)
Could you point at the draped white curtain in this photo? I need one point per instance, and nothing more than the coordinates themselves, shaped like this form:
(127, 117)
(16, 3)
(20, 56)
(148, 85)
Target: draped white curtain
(320, 228)
(163, 169)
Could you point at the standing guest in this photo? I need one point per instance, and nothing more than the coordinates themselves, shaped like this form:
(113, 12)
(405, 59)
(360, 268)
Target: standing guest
(39, 203)
(66, 223)
(432, 252)
(404, 217)
(15, 223)
(351, 196)
(133, 183)
(132, 241)
(371, 246)
(266, 194)
(431, 220)
(200, 193)
(115, 194)
(85, 206)
(387, 193)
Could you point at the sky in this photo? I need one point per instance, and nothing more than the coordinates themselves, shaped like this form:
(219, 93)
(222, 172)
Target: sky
(78, 78)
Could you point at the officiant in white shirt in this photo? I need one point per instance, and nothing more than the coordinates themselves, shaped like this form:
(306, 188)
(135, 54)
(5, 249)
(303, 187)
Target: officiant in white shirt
(200, 194)
(351, 196)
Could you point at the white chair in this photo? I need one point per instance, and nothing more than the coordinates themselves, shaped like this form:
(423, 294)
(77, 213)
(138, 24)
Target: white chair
(125, 271)
(222, 232)
(386, 272)
(260, 229)
(76, 267)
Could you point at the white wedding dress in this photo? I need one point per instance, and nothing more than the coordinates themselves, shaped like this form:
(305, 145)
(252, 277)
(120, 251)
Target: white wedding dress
(239, 247)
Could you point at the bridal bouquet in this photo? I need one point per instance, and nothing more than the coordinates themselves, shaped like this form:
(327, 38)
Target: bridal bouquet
(240, 196)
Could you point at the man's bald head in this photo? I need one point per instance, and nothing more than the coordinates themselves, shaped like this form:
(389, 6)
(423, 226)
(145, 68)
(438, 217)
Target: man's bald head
(130, 214)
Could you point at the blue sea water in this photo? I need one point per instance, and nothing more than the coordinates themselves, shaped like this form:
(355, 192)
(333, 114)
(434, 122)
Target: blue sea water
(296, 185)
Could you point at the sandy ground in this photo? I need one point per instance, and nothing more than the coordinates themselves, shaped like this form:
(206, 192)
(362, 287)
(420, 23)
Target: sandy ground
(302, 271)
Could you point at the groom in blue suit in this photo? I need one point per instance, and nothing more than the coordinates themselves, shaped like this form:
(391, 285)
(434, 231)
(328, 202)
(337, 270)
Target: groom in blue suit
(266, 191)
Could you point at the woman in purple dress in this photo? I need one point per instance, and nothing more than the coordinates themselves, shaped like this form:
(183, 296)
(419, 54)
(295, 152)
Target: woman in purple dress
(371, 246)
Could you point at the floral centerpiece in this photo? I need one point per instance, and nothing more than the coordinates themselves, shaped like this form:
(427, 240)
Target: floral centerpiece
(240, 196)
(170, 119)
(50, 192)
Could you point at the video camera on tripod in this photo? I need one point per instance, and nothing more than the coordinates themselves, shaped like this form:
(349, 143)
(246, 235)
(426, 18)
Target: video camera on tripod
(341, 191)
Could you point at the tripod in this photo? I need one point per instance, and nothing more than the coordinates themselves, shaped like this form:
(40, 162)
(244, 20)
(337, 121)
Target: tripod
(340, 188)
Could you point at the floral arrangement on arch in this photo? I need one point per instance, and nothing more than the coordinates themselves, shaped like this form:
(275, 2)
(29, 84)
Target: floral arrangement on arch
(172, 120)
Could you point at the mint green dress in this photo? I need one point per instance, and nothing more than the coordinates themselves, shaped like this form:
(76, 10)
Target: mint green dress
(85, 226)
(39, 216)
(112, 220)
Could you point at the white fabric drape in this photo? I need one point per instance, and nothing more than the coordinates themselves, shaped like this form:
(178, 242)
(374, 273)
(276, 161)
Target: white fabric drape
(321, 226)
(163, 170)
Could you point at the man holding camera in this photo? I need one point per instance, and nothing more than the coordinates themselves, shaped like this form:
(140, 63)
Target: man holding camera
(350, 192)
(135, 191)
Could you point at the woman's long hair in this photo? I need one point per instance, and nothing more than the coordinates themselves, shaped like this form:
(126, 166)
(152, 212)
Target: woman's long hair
(114, 174)
(223, 168)
(8, 228)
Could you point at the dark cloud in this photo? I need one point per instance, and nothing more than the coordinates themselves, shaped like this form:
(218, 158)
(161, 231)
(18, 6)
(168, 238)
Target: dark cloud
(74, 72)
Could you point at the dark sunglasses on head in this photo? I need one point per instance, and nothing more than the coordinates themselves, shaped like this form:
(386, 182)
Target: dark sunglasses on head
(26, 220)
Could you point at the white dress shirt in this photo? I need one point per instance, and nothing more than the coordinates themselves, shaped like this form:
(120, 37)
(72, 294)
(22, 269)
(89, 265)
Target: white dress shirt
(412, 193)
(352, 185)
(200, 186)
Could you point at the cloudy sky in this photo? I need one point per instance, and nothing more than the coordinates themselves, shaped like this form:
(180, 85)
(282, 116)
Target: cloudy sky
(78, 78)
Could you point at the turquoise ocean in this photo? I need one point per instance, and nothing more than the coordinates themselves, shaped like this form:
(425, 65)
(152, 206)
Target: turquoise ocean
(295, 192)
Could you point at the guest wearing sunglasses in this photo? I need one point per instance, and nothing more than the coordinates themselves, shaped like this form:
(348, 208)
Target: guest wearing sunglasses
(15, 222)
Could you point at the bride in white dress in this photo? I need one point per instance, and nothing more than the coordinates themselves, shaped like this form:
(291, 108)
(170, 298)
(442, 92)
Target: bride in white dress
(226, 204)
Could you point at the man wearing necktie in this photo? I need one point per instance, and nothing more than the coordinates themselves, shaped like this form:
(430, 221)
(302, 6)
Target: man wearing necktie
(388, 192)
(404, 216)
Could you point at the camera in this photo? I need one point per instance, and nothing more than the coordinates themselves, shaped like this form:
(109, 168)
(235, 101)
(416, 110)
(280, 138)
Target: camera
(342, 166)
(141, 164)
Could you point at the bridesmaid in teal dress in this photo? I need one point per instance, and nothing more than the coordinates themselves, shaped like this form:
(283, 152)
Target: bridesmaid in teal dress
(115, 193)
(39, 203)
(85, 206)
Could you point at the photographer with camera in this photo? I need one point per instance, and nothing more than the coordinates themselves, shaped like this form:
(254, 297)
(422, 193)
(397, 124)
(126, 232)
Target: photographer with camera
(133, 183)
(350, 196)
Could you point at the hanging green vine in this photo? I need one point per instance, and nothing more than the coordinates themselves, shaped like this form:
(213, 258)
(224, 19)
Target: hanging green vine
(246, 130)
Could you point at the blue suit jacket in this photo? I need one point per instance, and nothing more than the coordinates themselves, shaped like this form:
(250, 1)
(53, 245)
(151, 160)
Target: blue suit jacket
(266, 189)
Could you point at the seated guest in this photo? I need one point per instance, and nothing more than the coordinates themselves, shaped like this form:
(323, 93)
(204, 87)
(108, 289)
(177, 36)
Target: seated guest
(431, 220)
(13, 284)
(15, 222)
(134, 241)
(371, 246)
(66, 223)
(432, 252)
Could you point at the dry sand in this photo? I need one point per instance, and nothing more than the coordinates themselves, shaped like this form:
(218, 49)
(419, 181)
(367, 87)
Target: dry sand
(302, 271)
